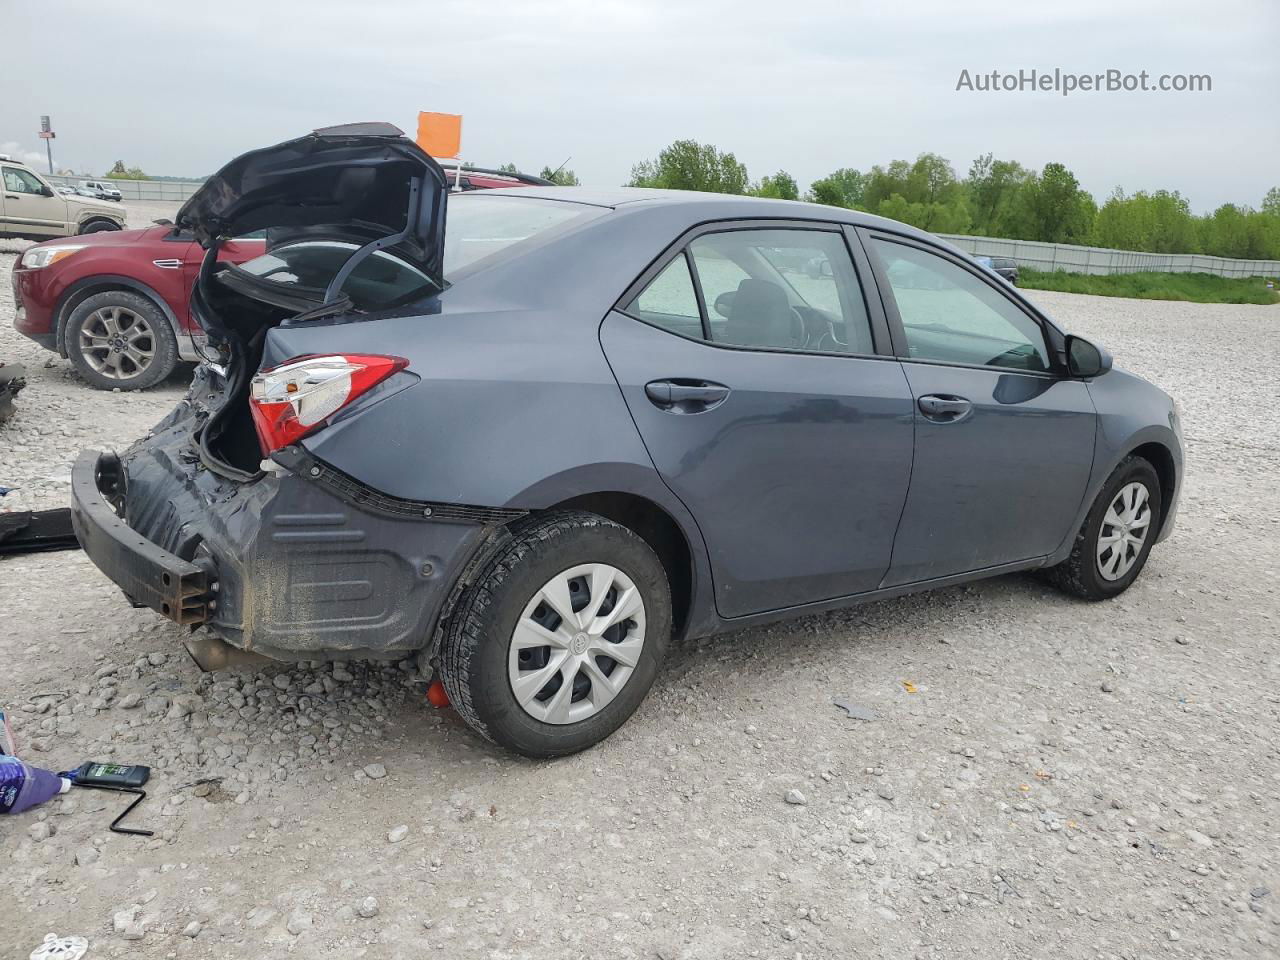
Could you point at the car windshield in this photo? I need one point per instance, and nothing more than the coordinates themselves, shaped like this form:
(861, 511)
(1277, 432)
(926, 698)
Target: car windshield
(480, 225)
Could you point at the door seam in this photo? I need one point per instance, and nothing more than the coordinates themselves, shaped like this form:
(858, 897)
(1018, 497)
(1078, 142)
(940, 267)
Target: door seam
(706, 550)
(911, 472)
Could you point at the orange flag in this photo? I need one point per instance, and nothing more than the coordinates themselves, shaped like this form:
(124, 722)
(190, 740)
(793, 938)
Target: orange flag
(440, 134)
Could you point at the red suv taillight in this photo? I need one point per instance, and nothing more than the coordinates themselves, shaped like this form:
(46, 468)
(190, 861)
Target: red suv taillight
(295, 398)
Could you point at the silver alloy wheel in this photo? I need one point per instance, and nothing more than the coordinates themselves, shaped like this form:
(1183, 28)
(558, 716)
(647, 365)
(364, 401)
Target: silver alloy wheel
(117, 343)
(1124, 531)
(577, 643)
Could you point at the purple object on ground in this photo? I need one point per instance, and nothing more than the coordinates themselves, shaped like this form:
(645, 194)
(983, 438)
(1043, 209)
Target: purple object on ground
(22, 786)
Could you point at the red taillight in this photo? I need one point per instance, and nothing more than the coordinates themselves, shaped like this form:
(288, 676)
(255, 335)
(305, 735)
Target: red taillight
(291, 400)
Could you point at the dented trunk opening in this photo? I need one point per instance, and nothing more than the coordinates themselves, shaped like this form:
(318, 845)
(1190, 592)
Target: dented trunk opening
(354, 219)
(297, 559)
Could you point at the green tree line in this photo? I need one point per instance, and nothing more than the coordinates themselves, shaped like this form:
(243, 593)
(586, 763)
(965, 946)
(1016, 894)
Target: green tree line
(998, 198)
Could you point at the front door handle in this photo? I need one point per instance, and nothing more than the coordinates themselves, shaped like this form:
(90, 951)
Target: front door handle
(944, 408)
(685, 396)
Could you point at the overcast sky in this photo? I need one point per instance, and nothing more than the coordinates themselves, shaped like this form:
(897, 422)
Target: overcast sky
(179, 88)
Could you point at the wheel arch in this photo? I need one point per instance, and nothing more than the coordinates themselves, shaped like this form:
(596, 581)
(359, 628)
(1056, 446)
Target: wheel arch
(1158, 445)
(660, 530)
(1161, 458)
(87, 287)
(89, 221)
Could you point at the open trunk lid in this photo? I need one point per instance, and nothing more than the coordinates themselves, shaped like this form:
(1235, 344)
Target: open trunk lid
(361, 191)
(365, 183)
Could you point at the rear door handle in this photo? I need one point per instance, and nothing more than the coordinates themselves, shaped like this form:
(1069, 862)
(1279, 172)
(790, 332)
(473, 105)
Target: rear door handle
(944, 408)
(685, 396)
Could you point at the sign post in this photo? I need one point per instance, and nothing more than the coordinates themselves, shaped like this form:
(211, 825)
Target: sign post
(46, 134)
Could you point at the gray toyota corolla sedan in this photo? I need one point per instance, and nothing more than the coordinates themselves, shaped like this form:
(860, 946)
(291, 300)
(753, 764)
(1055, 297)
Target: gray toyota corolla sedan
(530, 442)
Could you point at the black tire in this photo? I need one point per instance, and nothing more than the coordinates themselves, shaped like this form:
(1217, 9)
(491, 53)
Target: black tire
(99, 226)
(132, 375)
(473, 659)
(1079, 574)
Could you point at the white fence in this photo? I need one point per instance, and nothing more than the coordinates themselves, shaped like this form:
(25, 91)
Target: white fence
(174, 190)
(1062, 256)
(1027, 253)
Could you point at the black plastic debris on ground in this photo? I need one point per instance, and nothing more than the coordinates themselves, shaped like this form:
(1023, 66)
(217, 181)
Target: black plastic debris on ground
(13, 377)
(33, 531)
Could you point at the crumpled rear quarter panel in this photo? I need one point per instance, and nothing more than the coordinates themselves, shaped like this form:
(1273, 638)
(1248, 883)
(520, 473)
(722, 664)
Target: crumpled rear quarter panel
(299, 571)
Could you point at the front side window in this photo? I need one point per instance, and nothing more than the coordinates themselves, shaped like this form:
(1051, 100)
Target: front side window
(949, 314)
(782, 289)
(21, 181)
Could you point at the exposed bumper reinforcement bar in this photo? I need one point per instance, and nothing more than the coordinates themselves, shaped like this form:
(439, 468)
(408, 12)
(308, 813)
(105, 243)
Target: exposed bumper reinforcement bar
(148, 575)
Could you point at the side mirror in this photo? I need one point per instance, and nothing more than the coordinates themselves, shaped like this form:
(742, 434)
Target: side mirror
(48, 192)
(1085, 360)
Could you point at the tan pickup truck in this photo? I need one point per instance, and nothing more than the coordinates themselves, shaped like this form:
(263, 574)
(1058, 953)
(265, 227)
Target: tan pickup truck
(32, 209)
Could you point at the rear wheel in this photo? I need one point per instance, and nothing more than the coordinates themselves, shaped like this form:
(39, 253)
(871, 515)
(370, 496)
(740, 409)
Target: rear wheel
(120, 339)
(1113, 543)
(559, 639)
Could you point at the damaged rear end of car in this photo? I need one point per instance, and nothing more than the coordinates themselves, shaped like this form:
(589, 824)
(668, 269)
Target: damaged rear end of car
(220, 516)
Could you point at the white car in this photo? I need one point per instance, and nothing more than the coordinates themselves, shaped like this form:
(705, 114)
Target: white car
(32, 209)
(101, 189)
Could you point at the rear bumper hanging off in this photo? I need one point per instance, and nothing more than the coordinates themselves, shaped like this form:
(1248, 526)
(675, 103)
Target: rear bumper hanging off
(297, 564)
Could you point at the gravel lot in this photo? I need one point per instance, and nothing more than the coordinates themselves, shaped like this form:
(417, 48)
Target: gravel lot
(1042, 777)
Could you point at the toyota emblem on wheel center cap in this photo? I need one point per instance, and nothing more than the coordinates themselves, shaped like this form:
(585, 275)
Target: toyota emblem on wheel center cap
(578, 645)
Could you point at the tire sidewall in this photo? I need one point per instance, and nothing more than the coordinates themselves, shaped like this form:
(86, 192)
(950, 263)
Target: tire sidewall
(166, 346)
(1135, 470)
(492, 697)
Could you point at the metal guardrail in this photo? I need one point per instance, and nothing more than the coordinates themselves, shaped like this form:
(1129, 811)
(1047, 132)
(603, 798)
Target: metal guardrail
(172, 190)
(1029, 253)
(1101, 260)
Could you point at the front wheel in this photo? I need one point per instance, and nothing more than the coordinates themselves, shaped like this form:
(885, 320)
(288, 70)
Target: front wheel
(1113, 543)
(560, 637)
(120, 339)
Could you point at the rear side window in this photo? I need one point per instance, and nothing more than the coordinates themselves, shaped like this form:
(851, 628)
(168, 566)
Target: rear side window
(669, 301)
(780, 289)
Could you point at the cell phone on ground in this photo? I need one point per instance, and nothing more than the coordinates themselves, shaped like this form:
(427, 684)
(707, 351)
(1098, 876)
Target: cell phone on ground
(94, 774)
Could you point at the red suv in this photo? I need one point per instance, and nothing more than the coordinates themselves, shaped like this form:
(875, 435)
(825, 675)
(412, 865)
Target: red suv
(116, 304)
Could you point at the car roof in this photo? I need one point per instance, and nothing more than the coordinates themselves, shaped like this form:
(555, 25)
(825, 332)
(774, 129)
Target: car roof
(716, 206)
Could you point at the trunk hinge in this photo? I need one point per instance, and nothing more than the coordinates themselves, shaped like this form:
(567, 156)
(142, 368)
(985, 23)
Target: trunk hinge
(410, 227)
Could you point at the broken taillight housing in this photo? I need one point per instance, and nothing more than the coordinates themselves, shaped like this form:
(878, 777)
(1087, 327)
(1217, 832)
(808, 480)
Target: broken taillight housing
(293, 399)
